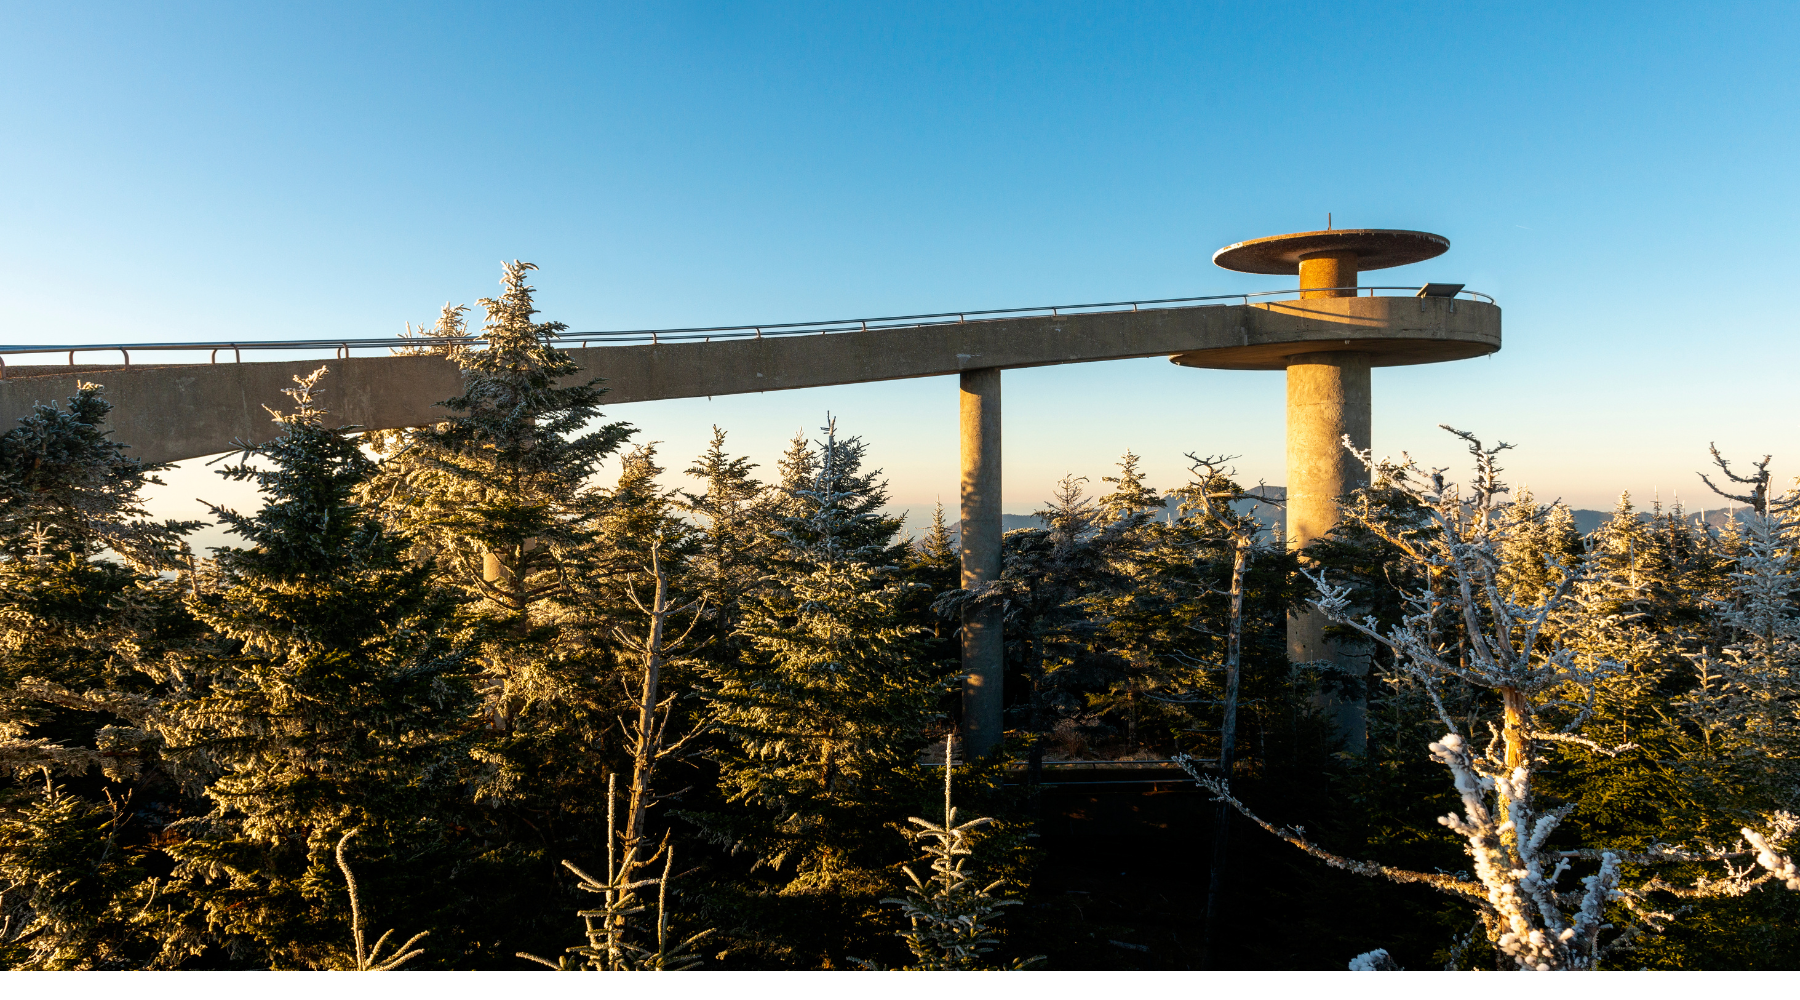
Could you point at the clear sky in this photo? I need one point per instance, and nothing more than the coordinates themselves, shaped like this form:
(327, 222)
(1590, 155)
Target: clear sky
(1621, 178)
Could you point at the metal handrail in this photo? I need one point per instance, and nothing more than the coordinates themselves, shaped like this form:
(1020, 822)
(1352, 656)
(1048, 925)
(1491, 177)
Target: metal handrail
(341, 347)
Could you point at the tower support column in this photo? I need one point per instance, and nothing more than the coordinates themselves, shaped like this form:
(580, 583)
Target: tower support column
(983, 648)
(1327, 400)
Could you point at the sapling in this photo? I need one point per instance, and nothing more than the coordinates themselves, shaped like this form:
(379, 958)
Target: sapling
(615, 940)
(949, 914)
(370, 959)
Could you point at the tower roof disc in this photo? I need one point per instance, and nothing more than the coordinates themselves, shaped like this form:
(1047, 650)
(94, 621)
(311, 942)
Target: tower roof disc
(1374, 248)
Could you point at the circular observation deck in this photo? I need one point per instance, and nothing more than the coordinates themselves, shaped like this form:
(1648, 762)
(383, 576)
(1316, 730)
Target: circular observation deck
(1329, 317)
(1388, 331)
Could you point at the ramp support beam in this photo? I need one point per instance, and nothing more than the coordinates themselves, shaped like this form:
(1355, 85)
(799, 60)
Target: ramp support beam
(983, 647)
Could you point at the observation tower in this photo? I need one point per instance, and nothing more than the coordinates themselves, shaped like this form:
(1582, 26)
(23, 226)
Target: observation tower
(173, 401)
(1340, 332)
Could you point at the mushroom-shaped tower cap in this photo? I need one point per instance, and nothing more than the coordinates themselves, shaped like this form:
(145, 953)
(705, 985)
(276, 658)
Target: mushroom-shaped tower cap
(1374, 248)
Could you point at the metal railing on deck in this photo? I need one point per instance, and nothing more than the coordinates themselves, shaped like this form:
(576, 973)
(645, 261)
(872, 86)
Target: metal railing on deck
(342, 347)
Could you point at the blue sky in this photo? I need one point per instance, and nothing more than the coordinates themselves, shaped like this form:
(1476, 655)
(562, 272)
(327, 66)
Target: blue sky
(1619, 178)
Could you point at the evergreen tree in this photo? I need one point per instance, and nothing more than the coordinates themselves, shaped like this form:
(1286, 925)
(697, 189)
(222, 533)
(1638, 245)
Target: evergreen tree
(342, 701)
(1143, 676)
(498, 498)
(1049, 579)
(950, 914)
(936, 554)
(735, 546)
(933, 566)
(83, 637)
(826, 717)
(858, 528)
(1131, 497)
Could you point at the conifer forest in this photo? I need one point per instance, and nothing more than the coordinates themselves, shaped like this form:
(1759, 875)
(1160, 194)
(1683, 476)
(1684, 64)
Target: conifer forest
(450, 699)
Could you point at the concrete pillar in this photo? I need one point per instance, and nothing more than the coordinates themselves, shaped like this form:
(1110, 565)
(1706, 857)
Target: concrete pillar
(983, 649)
(1334, 269)
(1328, 398)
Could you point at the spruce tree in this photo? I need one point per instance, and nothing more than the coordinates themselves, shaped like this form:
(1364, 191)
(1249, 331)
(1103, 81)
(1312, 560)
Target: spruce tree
(933, 565)
(342, 700)
(735, 548)
(501, 500)
(498, 496)
(825, 717)
(85, 627)
(1048, 581)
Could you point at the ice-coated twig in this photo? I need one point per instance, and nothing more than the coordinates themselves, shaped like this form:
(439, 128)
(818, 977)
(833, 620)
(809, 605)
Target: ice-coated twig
(370, 960)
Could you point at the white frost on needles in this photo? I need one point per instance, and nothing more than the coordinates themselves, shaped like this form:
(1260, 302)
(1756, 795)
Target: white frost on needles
(1779, 863)
(1539, 653)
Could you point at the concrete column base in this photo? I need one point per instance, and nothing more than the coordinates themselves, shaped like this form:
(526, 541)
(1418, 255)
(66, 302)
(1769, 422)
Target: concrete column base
(1328, 400)
(983, 639)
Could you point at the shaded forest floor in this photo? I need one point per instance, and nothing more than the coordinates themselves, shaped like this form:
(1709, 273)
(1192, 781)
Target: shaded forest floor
(1121, 881)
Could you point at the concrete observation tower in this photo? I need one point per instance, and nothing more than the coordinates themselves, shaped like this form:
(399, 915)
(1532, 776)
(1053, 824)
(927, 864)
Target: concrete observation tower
(1328, 394)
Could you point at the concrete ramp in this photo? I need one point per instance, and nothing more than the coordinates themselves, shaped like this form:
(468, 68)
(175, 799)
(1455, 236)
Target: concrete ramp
(171, 412)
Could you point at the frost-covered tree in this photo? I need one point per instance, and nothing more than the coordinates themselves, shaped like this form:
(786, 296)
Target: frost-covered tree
(73, 886)
(67, 488)
(734, 547)
(829, 500)
(86, 626)
(1536, 542)
(618, 939)
(1547, 689)
(498, 498)
(1746, 702)
(501, 500)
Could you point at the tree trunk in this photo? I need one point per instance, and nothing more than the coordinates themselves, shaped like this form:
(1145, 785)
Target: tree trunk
(1518, 754)
(1034, 768)
(1215, 888)
(643, 758)
(1516, 712)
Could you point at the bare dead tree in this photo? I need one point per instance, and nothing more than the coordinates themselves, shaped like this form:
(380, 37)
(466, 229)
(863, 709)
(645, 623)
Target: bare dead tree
(1522, 651)
(1758, 482)
(1212, 495)
(648, 734)
(614, 942)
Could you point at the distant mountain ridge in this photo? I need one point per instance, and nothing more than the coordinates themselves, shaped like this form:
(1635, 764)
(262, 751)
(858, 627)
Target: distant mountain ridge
(1586, 521)
(1010, 522)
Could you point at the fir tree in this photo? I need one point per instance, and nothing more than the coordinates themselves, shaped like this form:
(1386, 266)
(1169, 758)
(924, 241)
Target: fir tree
(733, 554)
(936, 554)
(933, 566)
(83, 640)
(827, 715)
(344, 703)
(857, 527)
(1049, 578)
(75, 889)
(497, 495)
(950, 914)
(1131, 496)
